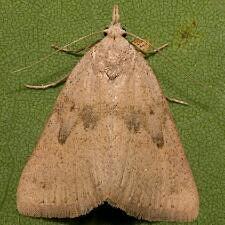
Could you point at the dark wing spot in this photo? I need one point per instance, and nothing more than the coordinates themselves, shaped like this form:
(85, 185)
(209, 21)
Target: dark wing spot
(72, 107)
(158, 140)
(63, 134)
(89, 117)
(132, 122)
(151, 111)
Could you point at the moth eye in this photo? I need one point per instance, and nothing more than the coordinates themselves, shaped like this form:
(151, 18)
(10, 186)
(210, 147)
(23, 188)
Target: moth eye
(105, 31)
(124, 34)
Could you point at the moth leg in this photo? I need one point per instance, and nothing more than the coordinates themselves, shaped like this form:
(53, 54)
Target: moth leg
(68, 51)
(155, 50)
(176, 101)
(160, 48)
(49, 85)
(74, 52)
(145, 46)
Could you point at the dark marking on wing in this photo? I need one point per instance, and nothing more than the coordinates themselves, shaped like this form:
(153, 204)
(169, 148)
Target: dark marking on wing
(151, 111)
(89, 117)
(158, 140)
(68, 120)
(72, 107)
(135, 118)
(133, 122)
(63, 134)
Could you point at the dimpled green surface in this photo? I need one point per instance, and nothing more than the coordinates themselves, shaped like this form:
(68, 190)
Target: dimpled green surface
(195, 31)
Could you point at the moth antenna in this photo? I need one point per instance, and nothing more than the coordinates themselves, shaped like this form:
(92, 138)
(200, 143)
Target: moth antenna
(170, 61)
(50, 55)
(115, 15)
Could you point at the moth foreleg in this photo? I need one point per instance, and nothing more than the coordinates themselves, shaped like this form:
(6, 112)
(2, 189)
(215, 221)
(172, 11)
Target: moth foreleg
(68, 51)
(148, 53)
(145, 46)
(160, 48)
(176, 101)
(49, 85)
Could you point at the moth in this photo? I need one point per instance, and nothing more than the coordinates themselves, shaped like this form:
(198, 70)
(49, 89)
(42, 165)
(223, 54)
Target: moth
(110, 138)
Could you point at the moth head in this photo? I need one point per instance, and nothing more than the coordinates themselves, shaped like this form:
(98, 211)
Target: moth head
(115, 29)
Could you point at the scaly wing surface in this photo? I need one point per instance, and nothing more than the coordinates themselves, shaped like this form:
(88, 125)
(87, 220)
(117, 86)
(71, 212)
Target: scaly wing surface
(152, 178)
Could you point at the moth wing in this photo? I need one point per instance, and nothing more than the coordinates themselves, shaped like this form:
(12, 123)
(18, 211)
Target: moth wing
(154, 180)
(62, 178)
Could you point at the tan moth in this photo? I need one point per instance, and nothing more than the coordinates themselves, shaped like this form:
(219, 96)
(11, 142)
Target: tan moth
(110, 138)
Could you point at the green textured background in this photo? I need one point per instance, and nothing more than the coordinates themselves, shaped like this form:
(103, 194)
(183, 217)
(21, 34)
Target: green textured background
(195, 31)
